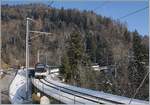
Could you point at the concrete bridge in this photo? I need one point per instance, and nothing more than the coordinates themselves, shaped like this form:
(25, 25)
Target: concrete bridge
(64, 93)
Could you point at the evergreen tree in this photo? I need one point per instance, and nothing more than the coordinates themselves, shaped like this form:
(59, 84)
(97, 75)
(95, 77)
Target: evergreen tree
(91, 46)
(138, 50)
(75, 54)
(137, 67)
(65, 70)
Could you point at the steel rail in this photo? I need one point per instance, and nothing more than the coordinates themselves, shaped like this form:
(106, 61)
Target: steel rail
(57, 93)
(85, 94)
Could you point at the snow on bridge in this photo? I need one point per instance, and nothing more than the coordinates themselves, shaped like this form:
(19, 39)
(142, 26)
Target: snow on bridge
(63, 92)
(75, 95)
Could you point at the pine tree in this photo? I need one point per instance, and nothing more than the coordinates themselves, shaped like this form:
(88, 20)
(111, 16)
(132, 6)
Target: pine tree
(65, 70)
(137, 67)
(91, 46)
(75, 54)
(138, 56)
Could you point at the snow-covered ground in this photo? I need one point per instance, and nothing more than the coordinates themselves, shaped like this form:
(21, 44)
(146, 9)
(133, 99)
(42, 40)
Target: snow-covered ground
(17, 89)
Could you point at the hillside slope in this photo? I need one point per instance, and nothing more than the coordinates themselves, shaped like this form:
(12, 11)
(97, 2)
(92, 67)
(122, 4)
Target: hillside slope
(101, 40)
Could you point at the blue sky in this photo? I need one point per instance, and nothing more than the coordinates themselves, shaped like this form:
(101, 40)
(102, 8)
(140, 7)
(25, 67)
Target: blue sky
(113, 9)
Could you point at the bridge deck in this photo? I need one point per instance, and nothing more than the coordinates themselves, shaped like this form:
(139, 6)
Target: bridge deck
(71, 94)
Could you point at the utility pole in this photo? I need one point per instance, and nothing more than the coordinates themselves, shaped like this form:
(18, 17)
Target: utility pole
(38, 56)
(115, 70)
(27, 50)
(0, 45)
(27, 55)
(46, 58)
(0, 49)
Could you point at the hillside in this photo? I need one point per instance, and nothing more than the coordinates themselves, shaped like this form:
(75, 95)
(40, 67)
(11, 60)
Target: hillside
(79, 40)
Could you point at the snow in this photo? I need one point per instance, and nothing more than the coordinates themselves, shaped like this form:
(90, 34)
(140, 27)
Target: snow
(96, 67)
(99, 94)
(1, 73)
(67, 98)
(59, 95)
(54, 70)
(17, 89)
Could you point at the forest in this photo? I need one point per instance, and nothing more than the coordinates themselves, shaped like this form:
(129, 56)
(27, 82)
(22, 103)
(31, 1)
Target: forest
(79, 40)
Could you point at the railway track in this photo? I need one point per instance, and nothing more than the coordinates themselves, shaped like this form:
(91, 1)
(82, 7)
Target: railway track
(81, 95)
(86, 96)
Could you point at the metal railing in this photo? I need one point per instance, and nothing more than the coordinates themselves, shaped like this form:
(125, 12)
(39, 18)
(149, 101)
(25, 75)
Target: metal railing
(45, 88)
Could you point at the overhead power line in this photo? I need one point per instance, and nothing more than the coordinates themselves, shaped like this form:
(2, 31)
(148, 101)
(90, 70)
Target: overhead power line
(137, 90)
(100, 6)
(139, 10)
(51, 3)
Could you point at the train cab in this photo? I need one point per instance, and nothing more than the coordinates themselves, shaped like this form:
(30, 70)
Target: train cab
(40, 71)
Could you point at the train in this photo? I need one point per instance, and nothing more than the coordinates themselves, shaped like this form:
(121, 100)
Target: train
(41, 71)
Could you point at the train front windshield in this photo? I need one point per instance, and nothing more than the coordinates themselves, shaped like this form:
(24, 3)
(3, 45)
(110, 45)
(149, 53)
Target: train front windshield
(40, 68)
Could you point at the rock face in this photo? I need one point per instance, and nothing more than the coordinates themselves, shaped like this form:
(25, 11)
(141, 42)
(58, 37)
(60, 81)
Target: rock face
(4, 86)
(1, 74)
(17, 89)
(44, 100)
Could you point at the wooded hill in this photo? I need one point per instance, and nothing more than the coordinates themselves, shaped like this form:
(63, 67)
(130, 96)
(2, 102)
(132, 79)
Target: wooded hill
(80, 39)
